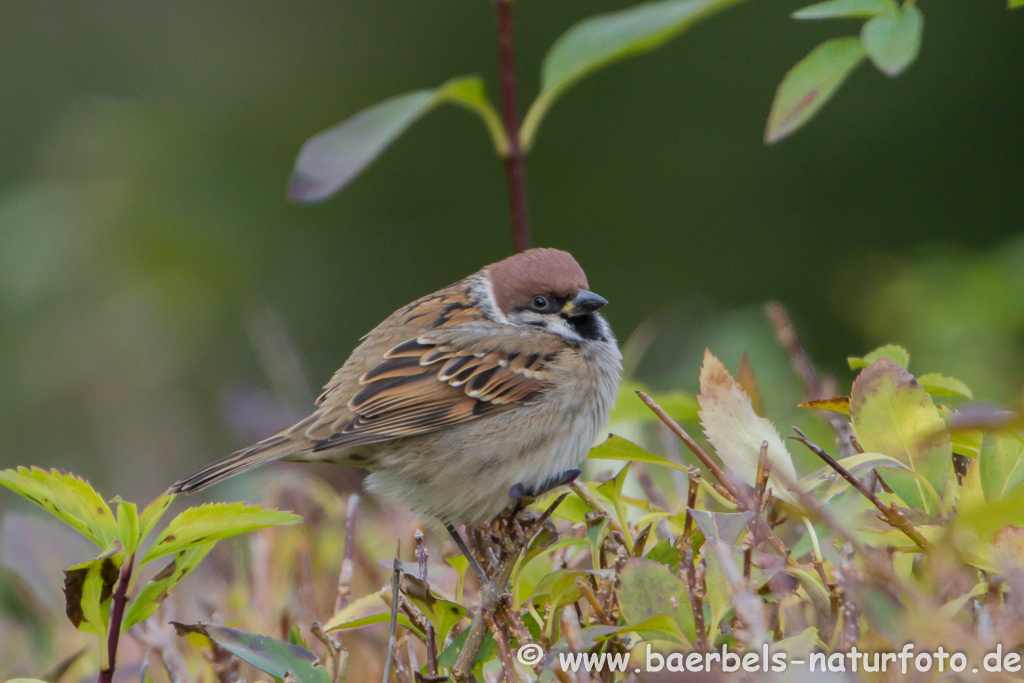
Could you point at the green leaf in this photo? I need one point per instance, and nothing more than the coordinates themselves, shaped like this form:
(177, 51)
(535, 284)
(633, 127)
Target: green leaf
(664, 552)
(648, 589)
(152, 514)
(269, 655)
(725, 526)
(128, 525)
(148, 600)
(810, 84)
(893, 415)
(854, 9)
(601, 40)
(716, 587)
(488, 650)
(617, 448)
(1000, 464)
(213, 522)
(1014, 4)
(332, 158)
(628, 408)
(69, 498)
(612, 489)
(940, 385)
(858, 465)
(892, 43)
(443, 614)
(558, 589)
(891, 351)
(88, 588)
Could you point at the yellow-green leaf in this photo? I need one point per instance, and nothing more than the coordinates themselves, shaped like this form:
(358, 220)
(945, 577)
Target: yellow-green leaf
(128, 525)
(152, 513)
(88, 588)
(69, 498)
(213, 522)
(1000, 464)
(891, 351)
(940, 385)
(893, 415)
(149, 598)
(617, 448)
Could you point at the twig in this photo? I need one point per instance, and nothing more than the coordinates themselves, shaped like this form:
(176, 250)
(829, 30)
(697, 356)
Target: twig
(790, 342)
(396, 575)
(120, 599)
(345, 575)
(504, 651)
(490, 597)
(890, 513)
(594, 504)
(334, 650)
(595, 604)
(515, 174)
(481, 575)
(695, 587)
(740, 496)
(421, 557)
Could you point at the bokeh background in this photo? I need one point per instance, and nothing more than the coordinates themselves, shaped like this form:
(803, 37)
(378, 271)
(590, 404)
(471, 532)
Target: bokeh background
(161, 304)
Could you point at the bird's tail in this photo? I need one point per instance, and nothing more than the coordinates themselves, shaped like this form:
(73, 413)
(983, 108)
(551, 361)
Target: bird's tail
(268, 450)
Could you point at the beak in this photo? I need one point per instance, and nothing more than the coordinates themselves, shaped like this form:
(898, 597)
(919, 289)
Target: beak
(584, 303)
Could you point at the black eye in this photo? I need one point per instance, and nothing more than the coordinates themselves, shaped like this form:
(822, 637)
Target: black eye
(540, 303)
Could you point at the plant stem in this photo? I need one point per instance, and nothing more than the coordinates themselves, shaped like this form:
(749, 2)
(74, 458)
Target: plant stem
(515, 173)
(120, 599)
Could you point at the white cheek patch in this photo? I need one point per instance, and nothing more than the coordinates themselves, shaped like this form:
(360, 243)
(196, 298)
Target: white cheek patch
(483, 295)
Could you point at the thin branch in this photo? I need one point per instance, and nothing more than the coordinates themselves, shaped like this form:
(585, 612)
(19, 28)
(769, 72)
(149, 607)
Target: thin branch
(396, 576)
(345, 575)
(740, 496)
(421, 557)
(504, 650)
(515, 173)
(890, 513)
(801, 361)
(490, 597)
(120, 599)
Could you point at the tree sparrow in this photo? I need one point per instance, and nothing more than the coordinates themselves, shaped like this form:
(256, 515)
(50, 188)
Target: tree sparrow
(495, 386)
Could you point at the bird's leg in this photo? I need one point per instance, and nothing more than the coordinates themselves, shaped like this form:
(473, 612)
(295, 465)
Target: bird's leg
(480, 575)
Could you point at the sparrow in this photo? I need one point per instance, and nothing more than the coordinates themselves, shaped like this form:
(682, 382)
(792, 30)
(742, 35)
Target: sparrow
(487, 390)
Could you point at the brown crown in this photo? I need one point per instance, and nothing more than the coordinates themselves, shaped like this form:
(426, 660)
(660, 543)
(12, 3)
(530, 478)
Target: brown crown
(548, 272)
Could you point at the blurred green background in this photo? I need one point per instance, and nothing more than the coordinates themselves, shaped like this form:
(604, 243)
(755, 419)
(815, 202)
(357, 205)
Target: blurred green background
(161, 304)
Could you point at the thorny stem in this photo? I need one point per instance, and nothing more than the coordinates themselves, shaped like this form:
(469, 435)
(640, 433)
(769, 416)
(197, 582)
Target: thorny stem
(120, 599)
(515, 174)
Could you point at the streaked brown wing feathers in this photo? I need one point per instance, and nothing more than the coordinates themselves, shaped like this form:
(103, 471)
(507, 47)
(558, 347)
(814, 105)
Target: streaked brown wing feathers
(427, 384)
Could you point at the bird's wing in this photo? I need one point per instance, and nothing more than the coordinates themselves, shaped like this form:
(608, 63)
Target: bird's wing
(438, 379)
